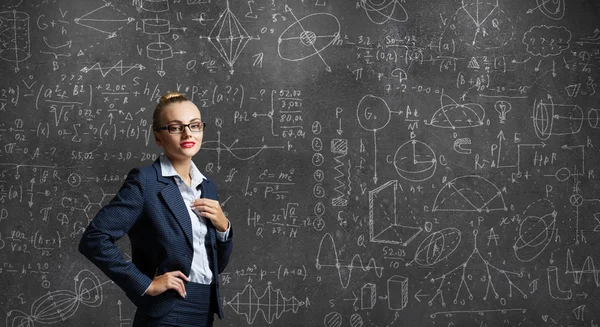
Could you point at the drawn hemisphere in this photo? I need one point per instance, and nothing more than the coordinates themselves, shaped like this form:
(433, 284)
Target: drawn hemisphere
(373, 113)
(380, 12)
(535, 231)
(454, 115)
(437, 246)
(308, 36)
(468, 194)
(415, 161)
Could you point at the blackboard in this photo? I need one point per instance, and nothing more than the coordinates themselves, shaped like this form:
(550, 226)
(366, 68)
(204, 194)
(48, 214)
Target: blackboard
(384, 163)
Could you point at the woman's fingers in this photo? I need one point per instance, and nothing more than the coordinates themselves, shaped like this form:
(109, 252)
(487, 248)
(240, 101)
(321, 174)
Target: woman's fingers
(170, 280)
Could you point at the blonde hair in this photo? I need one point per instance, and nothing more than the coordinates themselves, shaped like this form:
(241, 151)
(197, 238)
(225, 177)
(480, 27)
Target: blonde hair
(165, 101)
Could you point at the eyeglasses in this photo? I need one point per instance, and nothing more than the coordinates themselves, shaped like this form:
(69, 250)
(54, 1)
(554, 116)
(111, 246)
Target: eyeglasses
(195, 127)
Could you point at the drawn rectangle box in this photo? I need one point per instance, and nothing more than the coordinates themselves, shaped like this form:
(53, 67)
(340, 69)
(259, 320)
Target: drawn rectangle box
(368, 296)
(339, 146)
(397, 292)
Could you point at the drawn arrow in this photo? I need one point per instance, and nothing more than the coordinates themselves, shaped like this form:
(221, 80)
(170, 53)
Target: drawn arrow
(417, 295)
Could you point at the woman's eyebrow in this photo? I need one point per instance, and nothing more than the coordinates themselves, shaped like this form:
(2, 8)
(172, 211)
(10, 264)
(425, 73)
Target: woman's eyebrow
(179, 121)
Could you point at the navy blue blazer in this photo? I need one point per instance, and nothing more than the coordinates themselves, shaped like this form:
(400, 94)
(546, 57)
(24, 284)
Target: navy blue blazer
(150, 209)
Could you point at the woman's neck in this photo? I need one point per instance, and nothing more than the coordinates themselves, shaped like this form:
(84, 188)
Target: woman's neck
(183, 168)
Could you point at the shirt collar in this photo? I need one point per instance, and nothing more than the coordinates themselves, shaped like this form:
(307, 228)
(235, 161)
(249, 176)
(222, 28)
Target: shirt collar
(167, 170)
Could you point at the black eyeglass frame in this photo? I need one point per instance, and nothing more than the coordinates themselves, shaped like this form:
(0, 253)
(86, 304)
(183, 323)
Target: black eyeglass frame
(183, 127)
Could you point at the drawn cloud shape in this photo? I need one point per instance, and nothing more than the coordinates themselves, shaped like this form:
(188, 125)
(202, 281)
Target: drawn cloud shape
(547, 40)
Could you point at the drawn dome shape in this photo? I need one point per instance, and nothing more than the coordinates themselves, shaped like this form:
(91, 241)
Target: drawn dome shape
(308, 36)
(536, 230)
(454, 115)
(380, 12)
(469, 193)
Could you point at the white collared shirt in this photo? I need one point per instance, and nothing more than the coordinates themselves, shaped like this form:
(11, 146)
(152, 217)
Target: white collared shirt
(200, 272)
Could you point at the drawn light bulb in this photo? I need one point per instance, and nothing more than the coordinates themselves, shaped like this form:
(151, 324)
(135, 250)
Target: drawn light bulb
(502, 107)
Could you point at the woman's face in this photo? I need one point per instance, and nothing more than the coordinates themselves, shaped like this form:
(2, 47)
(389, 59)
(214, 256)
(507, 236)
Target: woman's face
(182, 146)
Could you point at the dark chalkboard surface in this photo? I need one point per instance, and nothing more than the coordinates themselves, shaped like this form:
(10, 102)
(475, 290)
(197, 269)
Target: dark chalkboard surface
(384, 162)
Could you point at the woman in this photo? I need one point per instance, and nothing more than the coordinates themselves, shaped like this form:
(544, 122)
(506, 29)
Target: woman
(180, 238)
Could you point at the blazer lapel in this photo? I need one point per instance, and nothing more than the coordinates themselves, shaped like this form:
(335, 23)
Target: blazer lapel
(172, 197)
(212, 233)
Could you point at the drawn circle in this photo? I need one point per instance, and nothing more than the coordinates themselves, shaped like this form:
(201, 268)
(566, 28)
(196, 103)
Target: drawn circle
(318, 224)
(576, 200)
(356, 320)
(563, 174)
(308, 38)
(317, 144)
(333, 319)
(318, 175)
(482, 25)
(437, 246)
(317, 159)
(74, 180)
(373, 113)
(319, 209)
(415, 161)
(296, 43)
(318, 191)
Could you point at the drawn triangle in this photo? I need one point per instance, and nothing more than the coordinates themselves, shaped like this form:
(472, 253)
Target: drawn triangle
(473, 63)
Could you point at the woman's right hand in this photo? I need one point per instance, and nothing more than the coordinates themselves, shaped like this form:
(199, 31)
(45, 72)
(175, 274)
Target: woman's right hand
(172, 280)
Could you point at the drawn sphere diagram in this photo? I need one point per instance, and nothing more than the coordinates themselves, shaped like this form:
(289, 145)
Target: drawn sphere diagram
(481, 24)
(415, 161)
(536, 231)
(15, 45)
(384, 11)
(308, 36)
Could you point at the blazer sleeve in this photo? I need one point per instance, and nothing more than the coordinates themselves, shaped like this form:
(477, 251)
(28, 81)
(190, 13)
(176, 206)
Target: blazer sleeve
(111, 223)
(224, 249)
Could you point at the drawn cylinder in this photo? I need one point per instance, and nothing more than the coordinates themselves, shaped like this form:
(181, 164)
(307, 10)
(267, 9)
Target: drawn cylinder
(159, 51)
(14, 36)
(556, 119)
(155, 5)
(156, 26)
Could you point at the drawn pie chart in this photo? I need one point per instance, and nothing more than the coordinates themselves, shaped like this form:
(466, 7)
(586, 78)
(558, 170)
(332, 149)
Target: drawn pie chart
(308, 36)
(415, 161)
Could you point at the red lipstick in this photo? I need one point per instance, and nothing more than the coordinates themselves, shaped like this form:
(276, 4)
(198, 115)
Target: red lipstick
(187, 144)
